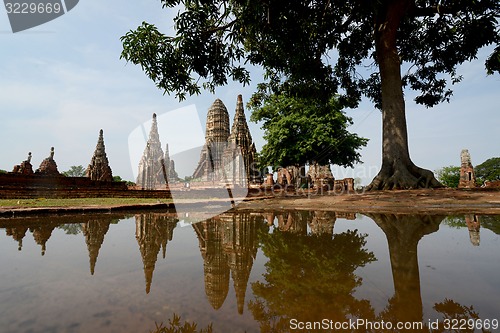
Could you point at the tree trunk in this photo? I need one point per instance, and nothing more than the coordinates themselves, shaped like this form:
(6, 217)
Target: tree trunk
(398, 171)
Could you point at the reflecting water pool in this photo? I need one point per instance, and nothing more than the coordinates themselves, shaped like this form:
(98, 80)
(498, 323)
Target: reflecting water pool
(286, 271)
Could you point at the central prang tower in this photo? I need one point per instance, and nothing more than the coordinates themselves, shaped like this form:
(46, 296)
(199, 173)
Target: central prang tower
(216, 136)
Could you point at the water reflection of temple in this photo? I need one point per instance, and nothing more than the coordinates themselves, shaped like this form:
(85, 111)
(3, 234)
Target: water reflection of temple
(317, 222)
(474, 226)
(228, 245)
(94, 232)
(41, 233)
(153, 232)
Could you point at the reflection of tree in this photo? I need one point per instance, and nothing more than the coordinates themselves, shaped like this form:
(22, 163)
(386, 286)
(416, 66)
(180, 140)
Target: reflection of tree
(403, 233)
(175, 325)
(71, 228)
(309, 278)
(451, 310)
(491, 222)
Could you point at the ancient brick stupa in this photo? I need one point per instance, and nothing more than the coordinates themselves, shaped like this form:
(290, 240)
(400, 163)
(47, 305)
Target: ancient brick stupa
(152, 171)
(216, 135)
(48, 167)
(25, 168)
(467, 177)
(320, 175)
(99, 168)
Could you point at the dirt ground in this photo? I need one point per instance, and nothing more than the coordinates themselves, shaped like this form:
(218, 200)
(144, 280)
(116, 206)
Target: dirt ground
(425, 201)
(404, 201)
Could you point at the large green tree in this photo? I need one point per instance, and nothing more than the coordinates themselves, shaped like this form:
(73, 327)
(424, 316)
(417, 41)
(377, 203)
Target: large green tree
(320, 48)
(300, 130)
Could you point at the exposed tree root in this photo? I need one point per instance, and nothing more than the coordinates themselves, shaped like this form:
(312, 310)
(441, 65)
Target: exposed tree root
(402, 177)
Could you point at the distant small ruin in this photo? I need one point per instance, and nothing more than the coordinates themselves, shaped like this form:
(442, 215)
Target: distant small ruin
(321, 175)
(48, 167)
(467, 177)
(25, 168)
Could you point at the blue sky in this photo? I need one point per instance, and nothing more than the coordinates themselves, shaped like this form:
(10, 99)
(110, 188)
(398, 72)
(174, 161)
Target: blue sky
(63, 81)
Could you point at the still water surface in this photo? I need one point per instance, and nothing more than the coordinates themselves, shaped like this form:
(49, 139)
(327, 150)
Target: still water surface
(245, 272)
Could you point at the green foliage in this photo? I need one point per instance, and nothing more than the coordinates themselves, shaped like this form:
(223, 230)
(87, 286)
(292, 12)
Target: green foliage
(292, 41)
(489, 170)
(75, 171)
(176, 326)
(300, 130)
(117, 179)
(120, 179)
(322, 49)
(71, 228)
(449, 176)
(452, 310)
(3, 171)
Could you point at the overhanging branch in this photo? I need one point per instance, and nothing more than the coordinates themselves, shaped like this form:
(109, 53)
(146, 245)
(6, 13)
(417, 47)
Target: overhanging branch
(433, 10)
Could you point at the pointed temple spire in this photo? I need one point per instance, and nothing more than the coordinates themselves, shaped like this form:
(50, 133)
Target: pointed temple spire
(239, 156)
(99, 168)
(152, 165)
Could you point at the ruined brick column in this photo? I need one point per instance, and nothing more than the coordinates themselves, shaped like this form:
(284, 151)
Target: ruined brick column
(467, 177)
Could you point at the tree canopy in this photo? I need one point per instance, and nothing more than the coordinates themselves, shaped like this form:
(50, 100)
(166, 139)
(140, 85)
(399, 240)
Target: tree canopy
(489, 170)
(297, 131)
(449, 176)
(322, 48)
(75, 171)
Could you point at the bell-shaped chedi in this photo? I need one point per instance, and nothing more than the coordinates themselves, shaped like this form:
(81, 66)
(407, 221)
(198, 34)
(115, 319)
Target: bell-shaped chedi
(216, 136)
(152, 171)
(48, 167)
(25, 168)
(98, 168)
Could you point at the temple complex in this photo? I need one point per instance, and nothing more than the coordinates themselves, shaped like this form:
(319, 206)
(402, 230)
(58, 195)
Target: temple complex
(99, 168)
(467, 177)
(154, 167)
(48, 167)
(227, 156)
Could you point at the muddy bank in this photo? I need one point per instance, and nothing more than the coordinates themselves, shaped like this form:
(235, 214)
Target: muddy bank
(425, 201)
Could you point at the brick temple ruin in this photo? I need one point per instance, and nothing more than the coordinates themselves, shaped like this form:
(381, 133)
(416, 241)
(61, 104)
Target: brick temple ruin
(156, 169)
(467, 177)
(228, 156)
